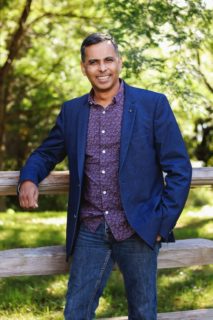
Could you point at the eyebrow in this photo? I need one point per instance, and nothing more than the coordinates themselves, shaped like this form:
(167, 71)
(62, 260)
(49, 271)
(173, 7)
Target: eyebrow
(96, 60)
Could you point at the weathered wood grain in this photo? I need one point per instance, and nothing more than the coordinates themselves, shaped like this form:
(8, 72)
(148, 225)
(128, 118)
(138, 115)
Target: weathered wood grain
(201, 314)
(202, 176)
(51, 260)
(58, 181)
(33, 261)
(185, 253)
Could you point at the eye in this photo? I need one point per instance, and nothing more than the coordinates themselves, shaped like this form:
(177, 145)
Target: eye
(110, 59)
(92, 62)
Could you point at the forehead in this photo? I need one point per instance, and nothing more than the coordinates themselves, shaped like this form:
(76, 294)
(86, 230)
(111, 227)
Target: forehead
(100, 50)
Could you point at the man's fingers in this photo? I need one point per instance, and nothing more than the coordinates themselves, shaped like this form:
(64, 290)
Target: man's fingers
(23, 199)
(28, 195)
(36, 197)
(32, 203)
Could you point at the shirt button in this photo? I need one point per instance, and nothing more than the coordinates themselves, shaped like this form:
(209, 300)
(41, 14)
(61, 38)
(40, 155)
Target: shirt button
(106, 212)
(102, 131)
(103, 151)
(104, 112)
(103, 171)
(104, 192)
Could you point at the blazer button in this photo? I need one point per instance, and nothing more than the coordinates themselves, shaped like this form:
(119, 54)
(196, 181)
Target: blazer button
(75, 216)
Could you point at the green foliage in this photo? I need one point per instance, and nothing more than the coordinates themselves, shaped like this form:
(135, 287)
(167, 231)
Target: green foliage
(31, 229)
(167, 47)
(45, 71)
(202, 198)
(186, 288)
(32, 297)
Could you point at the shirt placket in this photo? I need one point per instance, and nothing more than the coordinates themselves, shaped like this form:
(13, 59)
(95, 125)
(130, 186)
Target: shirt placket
(103, 161)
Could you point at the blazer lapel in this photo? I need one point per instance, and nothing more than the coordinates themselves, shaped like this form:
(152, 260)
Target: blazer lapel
(129, 113)
(82, 123)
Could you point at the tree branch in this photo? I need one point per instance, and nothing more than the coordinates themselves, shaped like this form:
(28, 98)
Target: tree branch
(60, 15)
(16, 40)
(38, 84)
(201, 73)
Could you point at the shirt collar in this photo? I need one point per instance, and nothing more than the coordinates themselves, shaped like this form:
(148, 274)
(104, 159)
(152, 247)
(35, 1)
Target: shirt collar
(117, 99)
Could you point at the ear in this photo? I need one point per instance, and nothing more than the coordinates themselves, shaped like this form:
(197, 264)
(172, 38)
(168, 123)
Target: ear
(120, 64)
(83, 68)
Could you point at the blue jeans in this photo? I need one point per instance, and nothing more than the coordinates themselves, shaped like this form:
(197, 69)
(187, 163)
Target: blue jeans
(94, 257)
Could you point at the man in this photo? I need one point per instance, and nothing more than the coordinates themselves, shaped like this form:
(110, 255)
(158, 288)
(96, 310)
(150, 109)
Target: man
(118, 140)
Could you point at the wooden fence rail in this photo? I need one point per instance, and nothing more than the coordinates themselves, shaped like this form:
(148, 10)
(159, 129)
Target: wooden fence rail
(51, 260)
(202, 314)
(58, 181)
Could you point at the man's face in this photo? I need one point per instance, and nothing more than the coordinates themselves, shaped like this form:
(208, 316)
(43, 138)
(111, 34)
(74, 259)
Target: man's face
(102, 66)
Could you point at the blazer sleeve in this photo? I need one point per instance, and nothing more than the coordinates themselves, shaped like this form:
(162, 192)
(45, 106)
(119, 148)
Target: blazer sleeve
(47, 155)
(174, 161)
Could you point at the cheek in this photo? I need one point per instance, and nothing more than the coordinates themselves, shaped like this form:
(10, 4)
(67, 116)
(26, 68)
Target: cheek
(117, 69)
(89, 74)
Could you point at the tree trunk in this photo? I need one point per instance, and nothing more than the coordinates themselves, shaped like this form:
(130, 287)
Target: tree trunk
(13, 51)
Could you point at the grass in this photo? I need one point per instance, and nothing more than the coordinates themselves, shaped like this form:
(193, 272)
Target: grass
(42, 297)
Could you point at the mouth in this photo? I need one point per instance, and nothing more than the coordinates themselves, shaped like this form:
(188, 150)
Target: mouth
(103, 78)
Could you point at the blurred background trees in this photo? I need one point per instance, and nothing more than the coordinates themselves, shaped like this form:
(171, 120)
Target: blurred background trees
(39, 69)
(166, 46)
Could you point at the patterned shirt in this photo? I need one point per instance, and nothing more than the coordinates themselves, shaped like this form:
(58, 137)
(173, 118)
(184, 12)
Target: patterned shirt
(101, 197)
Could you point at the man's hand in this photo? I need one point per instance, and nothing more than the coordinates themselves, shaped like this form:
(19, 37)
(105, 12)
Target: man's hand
(28, 195)
(158, 238)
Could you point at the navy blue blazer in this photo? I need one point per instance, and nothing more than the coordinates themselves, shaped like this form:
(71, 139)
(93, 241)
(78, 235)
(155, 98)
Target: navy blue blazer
(151, 143)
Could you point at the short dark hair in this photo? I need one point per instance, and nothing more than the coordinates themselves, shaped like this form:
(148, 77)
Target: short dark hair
(95, 38)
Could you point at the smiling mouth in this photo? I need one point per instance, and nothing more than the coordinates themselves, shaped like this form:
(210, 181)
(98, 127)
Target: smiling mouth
(103, 78)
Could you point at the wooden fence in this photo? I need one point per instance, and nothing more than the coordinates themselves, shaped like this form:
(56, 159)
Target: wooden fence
(51, 260)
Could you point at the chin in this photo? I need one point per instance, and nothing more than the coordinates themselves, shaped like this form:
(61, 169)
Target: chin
(105, 86)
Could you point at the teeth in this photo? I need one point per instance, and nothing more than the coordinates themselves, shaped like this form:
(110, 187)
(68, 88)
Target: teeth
(103, 77)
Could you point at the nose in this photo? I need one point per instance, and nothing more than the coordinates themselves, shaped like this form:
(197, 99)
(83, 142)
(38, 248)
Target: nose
(102, 66)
